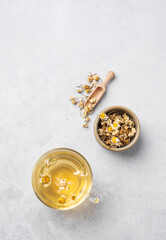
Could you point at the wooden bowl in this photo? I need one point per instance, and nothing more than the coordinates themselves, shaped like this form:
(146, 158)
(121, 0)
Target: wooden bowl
(121, 110)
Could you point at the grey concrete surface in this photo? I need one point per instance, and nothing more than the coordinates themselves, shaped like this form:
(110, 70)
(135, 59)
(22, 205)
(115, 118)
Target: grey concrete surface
(46, 49)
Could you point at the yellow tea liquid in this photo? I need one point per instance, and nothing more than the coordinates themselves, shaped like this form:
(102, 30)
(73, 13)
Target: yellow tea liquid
(62, 178)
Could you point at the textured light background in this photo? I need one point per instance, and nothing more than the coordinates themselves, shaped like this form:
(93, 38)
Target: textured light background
(46, 49)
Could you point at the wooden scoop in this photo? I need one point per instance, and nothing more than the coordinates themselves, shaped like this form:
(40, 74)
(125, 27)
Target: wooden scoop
(99, 91)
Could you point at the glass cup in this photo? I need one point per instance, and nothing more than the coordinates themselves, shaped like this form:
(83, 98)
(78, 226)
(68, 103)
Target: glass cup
(62, 179)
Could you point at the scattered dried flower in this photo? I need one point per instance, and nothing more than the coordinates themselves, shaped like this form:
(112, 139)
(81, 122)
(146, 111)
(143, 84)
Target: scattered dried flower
(94, 83)
(85, 90)
(86, 86)
(85, 125)
(81, 104)
(79, 90)
(74, 101)
(71, 97)
(95, 77)
(90, 79)
(86, 119)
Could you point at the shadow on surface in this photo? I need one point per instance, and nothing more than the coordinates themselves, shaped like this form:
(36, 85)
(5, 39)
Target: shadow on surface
(87, 213)
(134, 151)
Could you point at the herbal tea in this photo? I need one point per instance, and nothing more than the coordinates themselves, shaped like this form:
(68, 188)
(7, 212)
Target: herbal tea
(62, 178)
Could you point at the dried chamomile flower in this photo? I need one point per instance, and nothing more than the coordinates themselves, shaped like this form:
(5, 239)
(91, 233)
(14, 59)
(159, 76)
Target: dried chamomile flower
(81, 104)
(92, 100)
(86, 109)
(133, 130)
(84, 90)
(132, 133)
(86, 86)
(127, 121)
(62, 200)
(80, 173)
(119, 119)
(73, 197)
(88, 90)
(114, 140)
(103, 116)
(125, 116)
(112, 116)
(47, 163)
(84, 113)
(86, 119)
(131, 123)
(74, 101)
(116, 130)
(90, 79)
(71, 98)
(108, 141)
(45, 179)
(95, 77)
(115, 125)
(79, 90)
(121, 131)
(100, 131)
(108, 122)
(125, 127)
(110, 129)
(103, 124)
(127, 140)
(94, 83)
(85, 125)
(115, 133)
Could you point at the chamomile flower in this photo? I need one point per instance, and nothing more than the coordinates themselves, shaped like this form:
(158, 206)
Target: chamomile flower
(92, 100)
(103, 116)
(115, 125)
(110, 129)
(115, 140)
(45, 180)
(85, 125)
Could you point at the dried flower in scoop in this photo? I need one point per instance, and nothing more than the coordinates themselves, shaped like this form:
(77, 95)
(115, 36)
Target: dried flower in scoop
(92, 100)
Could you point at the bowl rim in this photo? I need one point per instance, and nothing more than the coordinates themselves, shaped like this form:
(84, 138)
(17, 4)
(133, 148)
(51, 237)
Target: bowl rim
(131, 114)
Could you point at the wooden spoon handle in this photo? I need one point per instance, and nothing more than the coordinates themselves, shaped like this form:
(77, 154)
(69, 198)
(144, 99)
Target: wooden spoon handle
(110, 76)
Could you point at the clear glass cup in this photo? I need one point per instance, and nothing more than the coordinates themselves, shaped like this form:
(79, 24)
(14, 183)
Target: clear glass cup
(62, 179)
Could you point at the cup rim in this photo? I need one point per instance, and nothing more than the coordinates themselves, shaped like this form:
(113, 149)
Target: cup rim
(40, 159)
(131, 114)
